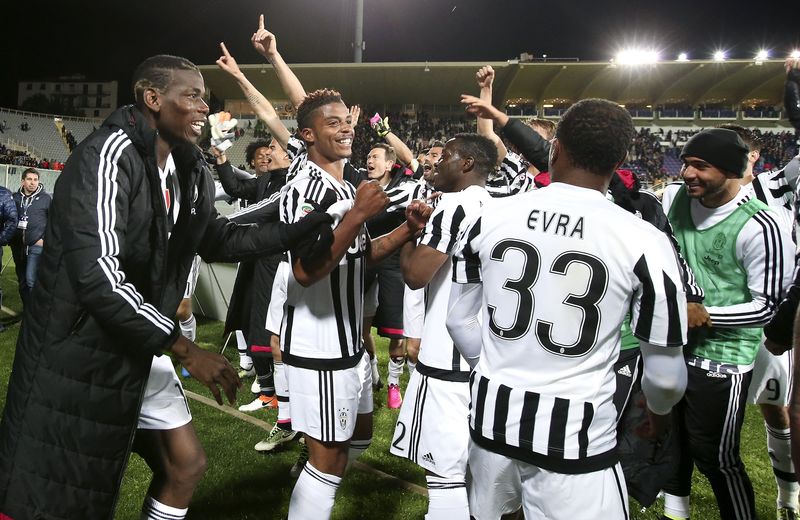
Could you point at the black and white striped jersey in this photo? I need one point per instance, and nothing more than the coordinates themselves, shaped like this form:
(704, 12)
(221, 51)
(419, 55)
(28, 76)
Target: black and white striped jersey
(438, 357)
(512, 177)
(776, 190)
(322, 323)
(560, 268)
(401, 196)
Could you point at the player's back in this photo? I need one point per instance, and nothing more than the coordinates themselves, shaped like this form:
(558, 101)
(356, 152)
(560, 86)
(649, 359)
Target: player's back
(561, 267)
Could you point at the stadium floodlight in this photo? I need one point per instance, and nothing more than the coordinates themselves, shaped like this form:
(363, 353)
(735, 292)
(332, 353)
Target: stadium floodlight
(683, 57)
(637, 57)
(795, 54)
(719, 56)
(762, 55)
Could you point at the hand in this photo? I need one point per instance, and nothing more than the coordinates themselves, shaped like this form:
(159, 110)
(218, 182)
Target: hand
(381, 126)
(654, 427)
(209, 368)
(264, 42)
(480, 108)
(775, 348)
(370, 200)
(219, 155)
(227, 63)
(355, 113)
(697, 316)
(417, 215)
(485, 77)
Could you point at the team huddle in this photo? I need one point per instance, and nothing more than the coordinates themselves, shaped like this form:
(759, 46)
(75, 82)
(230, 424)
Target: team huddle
(572, 339)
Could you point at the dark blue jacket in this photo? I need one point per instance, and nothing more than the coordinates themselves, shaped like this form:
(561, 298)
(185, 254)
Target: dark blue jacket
(33, 208)
(8, 216)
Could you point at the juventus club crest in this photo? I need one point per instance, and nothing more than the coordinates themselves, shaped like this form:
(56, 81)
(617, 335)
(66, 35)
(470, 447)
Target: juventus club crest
(343, 413)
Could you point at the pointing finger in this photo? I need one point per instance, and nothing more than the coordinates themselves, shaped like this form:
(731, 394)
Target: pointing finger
(261, 21)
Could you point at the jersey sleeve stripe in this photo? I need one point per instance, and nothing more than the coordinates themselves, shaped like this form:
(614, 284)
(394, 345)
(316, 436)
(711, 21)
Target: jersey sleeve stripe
(644, 318)
(455, 225)
(435, 235)
(674, 326)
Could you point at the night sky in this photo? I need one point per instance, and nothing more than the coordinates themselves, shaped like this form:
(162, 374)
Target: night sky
(105, 40)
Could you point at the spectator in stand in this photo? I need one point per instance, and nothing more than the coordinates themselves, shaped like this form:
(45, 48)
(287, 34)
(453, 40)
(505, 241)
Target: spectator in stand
(8, 226)
(33, 205)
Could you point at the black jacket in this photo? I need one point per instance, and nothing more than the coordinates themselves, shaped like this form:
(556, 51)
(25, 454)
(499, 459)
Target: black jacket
(253, 286)
(8, 217)
(109, 284)
(34, 209)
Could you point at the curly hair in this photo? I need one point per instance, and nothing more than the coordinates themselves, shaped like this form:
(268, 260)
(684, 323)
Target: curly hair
(596, 135)
(250, 152)
(156, 72)
(480, 148)
(312, 102)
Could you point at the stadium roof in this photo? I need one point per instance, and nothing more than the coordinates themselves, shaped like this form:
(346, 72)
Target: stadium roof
(693, 82)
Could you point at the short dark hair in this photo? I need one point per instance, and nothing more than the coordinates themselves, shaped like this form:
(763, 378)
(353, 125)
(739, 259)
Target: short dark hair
(156, 72)
(250, 152)
(388, 151)
(312, 102)
(30, 170)
(596, 135)
(436, 144)
(480, 148)
(749, 137)
(547, 125)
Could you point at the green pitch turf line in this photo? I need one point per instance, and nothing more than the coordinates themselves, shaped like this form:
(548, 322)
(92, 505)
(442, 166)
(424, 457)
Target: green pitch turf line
(264, 425)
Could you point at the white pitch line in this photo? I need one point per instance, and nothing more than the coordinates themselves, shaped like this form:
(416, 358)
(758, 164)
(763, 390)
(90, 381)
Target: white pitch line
(264, 425)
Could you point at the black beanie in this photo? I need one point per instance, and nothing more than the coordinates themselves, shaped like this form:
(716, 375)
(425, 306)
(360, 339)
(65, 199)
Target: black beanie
(719, 147)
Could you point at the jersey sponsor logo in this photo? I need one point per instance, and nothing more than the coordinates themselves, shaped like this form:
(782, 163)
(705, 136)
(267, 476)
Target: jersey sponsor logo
(717, 375)
(344, 413)
(625, 371)
(719, 241)
(428, 457)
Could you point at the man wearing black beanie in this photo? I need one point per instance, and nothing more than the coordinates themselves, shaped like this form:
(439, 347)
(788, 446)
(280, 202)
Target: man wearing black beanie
(743, 260)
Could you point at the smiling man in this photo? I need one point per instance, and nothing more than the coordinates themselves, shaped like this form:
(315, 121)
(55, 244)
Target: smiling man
(90, 382)
(327, 370)
(743, 260)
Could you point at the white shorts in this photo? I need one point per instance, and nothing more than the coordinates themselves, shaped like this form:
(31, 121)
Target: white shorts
(194, 273)
(433, 426)
(500, 485)
(325, 403)
(371, 300)
(277, 299)
(413, 312)
(164, 406)
(771, 378)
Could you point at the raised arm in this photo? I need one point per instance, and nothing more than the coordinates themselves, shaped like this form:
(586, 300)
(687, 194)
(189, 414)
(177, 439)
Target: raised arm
(531, 145)
(404, 153)
(261, 105)
(265, 43)
(485, 78)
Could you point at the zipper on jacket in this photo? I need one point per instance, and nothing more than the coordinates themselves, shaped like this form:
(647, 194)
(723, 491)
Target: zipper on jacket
(79, 322)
